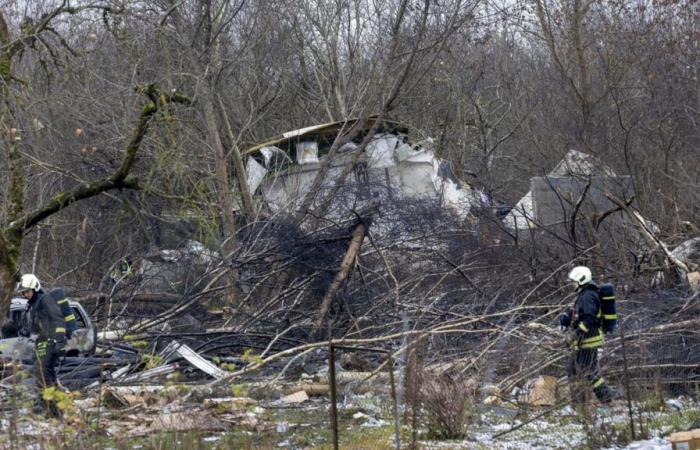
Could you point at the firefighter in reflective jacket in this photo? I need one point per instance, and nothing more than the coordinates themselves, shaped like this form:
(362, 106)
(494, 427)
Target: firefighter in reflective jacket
(45, 318)
(584, 336)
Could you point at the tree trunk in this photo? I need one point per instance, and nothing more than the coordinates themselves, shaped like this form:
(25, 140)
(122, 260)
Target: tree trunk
(9, 255)
(226, 204)
(241, 175)
(221, 169)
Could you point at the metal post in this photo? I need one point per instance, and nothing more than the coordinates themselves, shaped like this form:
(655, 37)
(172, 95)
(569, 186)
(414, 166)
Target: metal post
(334, 407)
(397, 430)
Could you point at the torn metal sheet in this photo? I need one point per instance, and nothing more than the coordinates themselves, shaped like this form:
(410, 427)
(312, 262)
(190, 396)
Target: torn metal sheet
(274, 157)
(554, 198)
(150, 373)
(254, 174)
(380, 151)
(307, 152)
(114, 375)
(574, 164)
(688, 251)
(392, 166)
(182, 350)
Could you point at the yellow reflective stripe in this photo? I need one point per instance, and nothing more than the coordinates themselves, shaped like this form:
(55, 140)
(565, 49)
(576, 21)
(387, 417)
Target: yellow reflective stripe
(60, 330)
(592, 340)
(599, 382)
(69, 317)
(593, 345)
(608, 298)
(583, 327)
(60, 302)
(610, 316)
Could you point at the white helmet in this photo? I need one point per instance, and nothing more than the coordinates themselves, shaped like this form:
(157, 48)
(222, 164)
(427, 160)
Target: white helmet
(28, 281)
(581, 275)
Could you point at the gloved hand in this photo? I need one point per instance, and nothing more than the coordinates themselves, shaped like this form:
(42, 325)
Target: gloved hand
(24, 331)
(572, 337)
(41, 348)
(564, 321)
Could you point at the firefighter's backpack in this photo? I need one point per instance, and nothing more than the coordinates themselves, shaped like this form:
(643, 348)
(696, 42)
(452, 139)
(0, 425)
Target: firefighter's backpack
(608, 313)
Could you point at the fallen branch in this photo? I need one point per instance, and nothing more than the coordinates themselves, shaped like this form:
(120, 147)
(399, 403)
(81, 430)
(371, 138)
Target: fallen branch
(649, 235)
(358, 235)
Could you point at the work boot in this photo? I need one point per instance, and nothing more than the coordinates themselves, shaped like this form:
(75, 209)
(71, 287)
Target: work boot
(46, 407)
(605, 394)
(52, 409)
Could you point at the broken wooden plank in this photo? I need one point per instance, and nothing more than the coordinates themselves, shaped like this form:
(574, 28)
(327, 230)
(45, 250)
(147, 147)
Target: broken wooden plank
(355, 377)
(295, 398)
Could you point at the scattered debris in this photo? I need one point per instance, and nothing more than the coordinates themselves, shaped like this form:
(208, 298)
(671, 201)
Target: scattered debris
(540, 391)
(685, 440)
(391, 166)
(314, 389)
(229, 402)
(374, 423)
(175, 348)
(150, 373)
(574, 166)
(694, 280)
(492, 400)
(297, 397)
(360, 416)
(182, 421)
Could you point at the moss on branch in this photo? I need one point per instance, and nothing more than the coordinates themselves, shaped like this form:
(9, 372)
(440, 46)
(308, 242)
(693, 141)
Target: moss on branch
(120, 179)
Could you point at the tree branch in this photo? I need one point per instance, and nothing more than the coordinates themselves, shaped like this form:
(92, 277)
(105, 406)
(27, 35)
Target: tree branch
(120, 178)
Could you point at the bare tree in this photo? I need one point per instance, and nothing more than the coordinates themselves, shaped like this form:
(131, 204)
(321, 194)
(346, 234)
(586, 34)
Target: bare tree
(16, 219)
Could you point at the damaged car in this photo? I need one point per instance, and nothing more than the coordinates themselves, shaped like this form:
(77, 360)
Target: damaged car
(15, 346)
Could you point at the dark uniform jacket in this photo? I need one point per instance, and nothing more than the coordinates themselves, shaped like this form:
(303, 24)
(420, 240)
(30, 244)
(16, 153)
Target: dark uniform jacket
(586, 317)
(59, 296)
(46, 318)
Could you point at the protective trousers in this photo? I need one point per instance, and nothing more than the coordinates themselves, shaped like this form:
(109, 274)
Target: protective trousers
(583, 369)
(46, 360)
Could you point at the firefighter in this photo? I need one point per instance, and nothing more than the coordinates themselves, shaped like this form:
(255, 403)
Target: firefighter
(45, 318)
(123, 270)
(584, 336)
